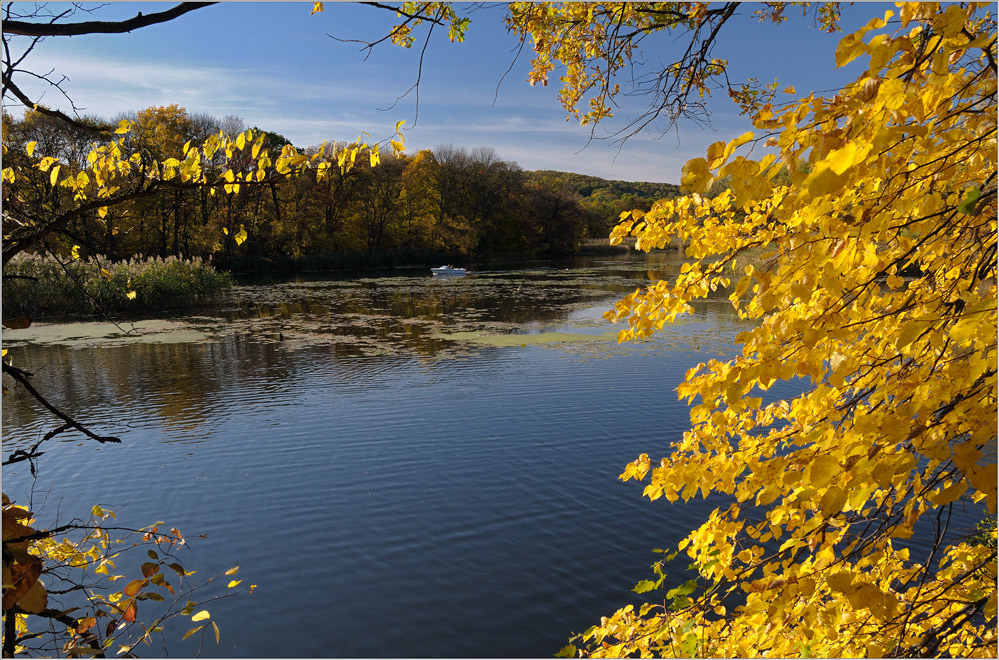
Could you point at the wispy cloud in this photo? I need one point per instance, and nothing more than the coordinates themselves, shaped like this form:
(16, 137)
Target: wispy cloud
(309, 104)
(105, 84)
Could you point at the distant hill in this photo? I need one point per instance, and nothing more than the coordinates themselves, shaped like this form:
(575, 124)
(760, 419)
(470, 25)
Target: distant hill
(593, 186)
(603, 199)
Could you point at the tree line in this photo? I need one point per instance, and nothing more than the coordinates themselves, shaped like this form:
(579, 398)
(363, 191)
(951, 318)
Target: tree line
(449, 200)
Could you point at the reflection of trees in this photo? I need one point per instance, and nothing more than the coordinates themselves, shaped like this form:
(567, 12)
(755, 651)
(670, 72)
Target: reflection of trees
(407, 314)
(119, 387)
(264, 347)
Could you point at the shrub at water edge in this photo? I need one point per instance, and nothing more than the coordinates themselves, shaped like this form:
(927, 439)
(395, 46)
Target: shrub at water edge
(34, 285)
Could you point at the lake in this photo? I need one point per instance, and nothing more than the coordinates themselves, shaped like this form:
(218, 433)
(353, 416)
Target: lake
(406, 466)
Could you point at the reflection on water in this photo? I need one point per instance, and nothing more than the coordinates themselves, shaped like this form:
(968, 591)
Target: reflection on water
(395, 485)
(413, 316)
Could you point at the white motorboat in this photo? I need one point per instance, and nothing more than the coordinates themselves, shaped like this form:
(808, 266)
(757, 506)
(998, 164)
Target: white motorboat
(448, 271)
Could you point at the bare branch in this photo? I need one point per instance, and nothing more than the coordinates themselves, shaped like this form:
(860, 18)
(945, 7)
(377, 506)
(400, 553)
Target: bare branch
(520, 49)
(29, 29)
(411, 17)
(8, 84)
(22, 378)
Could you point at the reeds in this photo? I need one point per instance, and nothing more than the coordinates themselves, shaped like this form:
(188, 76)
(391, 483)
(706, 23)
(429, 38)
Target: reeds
(36, 285)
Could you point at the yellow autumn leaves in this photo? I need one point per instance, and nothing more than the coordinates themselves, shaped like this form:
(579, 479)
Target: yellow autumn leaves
(111, 166)
(120, 170)
(876, 287)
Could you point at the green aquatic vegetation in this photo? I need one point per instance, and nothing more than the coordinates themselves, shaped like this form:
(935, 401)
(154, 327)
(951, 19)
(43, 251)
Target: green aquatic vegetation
(78, 334)
(37, 286)
(550, 309)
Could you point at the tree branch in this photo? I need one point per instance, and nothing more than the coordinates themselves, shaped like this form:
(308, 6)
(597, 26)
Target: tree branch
(8, 84)
(22, 378)
(29, 29)
(398, 10)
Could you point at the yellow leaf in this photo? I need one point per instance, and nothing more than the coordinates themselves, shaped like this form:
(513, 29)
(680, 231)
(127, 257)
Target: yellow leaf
(233, 583)
(833, 500)
(769, 494)
(966, 454)
(200, 616)
(30, 147)
(737, 142)
(951, 22)
(232, 571)
(54, 176)
(316, 8)
(823, 181)
(240, 236)
(983, 478)
(130, 295)
(849, 48)
(696, 176)
(716, 154)
(840, 160)
(950, 494)
(822, 470)
(75, 252)
(910, 331)
(216, 629)
(841, 581)
(191, 632)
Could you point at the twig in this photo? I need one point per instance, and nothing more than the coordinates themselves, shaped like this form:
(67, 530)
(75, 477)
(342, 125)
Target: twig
(22, 378)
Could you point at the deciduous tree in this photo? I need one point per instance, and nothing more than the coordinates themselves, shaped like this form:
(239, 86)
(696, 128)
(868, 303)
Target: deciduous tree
(45, 194)
(878, 291)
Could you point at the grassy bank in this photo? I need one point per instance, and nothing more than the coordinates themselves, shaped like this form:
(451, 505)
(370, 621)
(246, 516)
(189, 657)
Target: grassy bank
(35, 286)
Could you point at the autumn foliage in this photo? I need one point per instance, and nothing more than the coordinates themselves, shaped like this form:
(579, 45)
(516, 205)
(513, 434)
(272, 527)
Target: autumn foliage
(875, 210)
(879, 292)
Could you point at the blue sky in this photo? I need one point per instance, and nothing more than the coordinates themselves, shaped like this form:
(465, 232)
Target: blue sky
(276, 66)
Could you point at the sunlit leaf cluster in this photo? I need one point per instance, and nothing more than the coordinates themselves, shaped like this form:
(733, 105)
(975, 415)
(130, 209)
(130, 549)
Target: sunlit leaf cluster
(588, 44)
(141, 160)
(416, 14)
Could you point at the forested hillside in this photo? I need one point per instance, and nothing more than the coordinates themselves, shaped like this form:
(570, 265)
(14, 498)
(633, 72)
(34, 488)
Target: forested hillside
(603, 199)
(448, 201)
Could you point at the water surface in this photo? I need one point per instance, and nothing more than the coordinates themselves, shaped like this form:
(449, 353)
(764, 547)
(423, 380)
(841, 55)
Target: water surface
(405, 466)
